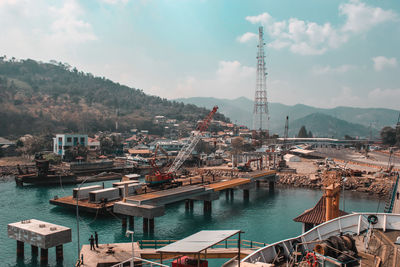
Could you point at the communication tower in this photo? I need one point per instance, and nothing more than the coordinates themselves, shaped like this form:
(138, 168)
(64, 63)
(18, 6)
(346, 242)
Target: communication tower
(260, 113)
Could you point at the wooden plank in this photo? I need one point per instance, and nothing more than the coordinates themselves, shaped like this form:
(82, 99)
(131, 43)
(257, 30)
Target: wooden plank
(228, 184)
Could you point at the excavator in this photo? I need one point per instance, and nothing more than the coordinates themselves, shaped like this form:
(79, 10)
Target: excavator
(247, 166)
(160, 178)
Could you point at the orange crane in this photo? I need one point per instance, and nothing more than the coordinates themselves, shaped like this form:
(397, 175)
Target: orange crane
(159, 177)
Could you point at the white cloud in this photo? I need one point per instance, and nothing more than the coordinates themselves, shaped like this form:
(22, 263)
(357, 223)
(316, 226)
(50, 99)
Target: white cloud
(320, 70)
(361, 17)
(231, 79)
(310, 38)
(67, 27)
(247, 37)
(232, 71)
(374, 98)
(381, 62)
(113, 2)
(39, 30)
(262, 18)
(390, 97)
(345, 98)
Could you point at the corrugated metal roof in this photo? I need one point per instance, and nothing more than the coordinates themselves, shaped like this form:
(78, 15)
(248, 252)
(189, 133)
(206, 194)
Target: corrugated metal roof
(316, 215)
(198, 242)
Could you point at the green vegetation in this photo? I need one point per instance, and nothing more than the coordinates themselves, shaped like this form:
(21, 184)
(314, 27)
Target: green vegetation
(52, 97)
(389, 136)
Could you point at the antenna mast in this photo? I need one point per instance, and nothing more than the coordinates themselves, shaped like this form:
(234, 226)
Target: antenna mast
(260, 113)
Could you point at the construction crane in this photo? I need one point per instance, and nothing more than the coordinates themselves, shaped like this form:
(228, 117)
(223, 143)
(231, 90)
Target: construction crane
(194, 139)
(286, 133)
(159, 177)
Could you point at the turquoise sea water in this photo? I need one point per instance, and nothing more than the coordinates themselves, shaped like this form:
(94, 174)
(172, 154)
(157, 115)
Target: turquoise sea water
(266, 217)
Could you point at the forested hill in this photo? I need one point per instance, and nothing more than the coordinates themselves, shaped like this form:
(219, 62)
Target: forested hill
(40, 97)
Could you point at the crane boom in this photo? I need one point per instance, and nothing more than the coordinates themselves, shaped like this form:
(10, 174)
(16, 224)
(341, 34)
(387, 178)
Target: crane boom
(194, 139)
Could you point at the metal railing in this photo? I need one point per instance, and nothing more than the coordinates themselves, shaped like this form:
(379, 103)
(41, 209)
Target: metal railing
(229, 243)
(393, 196)
(142, 262)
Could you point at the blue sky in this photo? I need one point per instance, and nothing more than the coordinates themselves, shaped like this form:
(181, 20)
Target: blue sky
(321, 53)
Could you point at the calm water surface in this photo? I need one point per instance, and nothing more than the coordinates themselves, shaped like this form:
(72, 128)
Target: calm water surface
(266, 217)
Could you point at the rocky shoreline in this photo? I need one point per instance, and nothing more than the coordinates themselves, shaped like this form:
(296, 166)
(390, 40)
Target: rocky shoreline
(375, 186)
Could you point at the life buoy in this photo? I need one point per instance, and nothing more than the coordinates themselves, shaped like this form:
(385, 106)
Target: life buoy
(311, 259)
(373, 219)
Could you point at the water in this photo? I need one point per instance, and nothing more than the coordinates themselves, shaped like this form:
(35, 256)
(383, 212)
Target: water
(266, 217)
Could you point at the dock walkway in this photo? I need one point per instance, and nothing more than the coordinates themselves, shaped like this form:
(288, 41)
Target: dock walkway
(118, 252)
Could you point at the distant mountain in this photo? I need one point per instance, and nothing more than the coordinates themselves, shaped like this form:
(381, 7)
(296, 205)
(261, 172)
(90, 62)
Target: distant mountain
(322, 125)
(38, 97)
(241, 110)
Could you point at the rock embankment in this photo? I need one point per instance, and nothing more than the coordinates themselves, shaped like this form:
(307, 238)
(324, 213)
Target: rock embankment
(371, 185)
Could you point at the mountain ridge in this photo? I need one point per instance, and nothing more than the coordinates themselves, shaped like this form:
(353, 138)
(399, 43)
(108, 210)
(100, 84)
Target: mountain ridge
(242, 113)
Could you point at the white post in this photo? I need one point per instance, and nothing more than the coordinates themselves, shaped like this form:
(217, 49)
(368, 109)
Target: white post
(129, 232)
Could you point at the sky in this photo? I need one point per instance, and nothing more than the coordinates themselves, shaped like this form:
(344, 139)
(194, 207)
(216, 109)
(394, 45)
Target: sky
(320, 53)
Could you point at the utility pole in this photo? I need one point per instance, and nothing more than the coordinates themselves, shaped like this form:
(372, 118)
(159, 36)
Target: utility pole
(260, 113)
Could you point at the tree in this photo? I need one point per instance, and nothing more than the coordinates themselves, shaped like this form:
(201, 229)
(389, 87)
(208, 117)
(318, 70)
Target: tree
(302, 132)
(388, 135)
(348, 137)
(310, 135)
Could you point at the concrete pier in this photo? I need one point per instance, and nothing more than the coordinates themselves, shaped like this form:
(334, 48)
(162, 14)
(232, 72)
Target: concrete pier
(34, 250)
(20, 249)
(151, 205)
(59, 253)
(271, 186)
(41, 235)
(246, 194)
(151, 225)
(44, 255)
(145, 225)
(123, 220)
(207, 206)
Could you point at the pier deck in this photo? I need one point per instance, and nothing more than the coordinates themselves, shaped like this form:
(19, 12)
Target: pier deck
(84, 205)
(119, 252)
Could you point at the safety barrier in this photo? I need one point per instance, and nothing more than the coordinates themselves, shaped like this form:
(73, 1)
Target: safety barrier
(229, 243)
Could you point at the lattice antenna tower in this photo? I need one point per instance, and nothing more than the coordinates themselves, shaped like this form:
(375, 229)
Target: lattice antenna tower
(260, 113)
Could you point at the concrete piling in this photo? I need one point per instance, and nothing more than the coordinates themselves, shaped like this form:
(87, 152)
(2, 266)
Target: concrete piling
(44, 255)
(151, 225)
(187, 204)
(231, 190)
(271, 186)
(207, 206)
(131, 222)
(34, 250)
(191, 204)
(59, 253)
(145, 225)
(246, 194)
(20, 249)
(124, 222)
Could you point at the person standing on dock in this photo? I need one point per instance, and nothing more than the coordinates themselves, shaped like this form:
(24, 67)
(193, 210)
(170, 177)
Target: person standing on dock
(91, 239)
(96, 239)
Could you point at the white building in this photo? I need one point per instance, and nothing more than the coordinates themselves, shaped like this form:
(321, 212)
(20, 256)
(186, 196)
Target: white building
(62, 142)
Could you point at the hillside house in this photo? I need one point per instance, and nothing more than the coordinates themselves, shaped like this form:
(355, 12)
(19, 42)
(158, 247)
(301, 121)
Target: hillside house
(63, 142)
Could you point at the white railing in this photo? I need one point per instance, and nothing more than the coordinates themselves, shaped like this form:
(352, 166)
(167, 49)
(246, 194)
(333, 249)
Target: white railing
(143, 263)
(355, 223)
